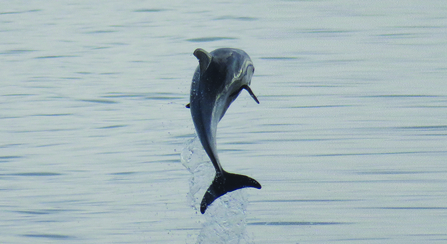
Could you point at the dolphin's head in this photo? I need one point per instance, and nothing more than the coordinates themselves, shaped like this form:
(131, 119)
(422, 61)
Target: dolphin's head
(237, 66)
(223, 74)
(245, 70)
(229, 70)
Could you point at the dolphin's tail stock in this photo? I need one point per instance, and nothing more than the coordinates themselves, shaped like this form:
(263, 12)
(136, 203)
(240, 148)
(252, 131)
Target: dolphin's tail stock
(226, 182)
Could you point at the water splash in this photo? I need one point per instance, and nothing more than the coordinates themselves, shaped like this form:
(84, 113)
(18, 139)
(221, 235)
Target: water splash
(225, 219)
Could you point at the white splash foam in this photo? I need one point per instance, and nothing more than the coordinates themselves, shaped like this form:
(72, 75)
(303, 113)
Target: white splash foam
(225, 218)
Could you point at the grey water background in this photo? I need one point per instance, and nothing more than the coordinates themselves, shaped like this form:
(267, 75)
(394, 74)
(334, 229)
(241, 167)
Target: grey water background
(349, 140)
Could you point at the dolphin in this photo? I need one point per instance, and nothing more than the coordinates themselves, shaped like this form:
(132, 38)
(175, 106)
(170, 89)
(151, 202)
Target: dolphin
(219, 78)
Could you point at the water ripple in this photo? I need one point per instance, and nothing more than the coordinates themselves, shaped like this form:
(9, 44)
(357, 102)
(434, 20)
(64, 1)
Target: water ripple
(150, 10)
(210, 39)
(298, 223)
(49, 236)
(99, 101)
(36, 174)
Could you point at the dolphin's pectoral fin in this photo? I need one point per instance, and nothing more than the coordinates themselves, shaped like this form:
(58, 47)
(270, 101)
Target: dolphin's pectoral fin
(204, 59)
(223, 183)
(188, 105)
(251, 93)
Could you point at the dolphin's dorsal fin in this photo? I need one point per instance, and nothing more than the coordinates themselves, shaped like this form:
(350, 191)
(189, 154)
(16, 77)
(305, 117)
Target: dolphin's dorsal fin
(204, 59)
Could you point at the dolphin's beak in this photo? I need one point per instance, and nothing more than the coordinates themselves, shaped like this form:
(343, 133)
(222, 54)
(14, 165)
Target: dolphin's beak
(251, 93)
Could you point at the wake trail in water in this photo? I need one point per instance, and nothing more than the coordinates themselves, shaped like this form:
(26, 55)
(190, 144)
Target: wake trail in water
(225, 219)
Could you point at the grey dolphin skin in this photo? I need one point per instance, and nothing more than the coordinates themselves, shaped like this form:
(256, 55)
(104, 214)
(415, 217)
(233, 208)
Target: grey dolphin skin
(218, 80)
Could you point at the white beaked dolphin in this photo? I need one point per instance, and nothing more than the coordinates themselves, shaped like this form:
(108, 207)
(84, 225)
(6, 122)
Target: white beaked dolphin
(219, 78)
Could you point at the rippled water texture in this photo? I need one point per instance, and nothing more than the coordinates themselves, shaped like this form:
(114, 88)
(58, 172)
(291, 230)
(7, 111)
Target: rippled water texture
(349, 140)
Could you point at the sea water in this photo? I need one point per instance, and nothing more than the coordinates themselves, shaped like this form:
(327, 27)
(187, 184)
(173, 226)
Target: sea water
(349, 141)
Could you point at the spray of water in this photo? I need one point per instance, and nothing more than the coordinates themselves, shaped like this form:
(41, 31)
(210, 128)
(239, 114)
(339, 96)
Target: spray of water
(225, 219)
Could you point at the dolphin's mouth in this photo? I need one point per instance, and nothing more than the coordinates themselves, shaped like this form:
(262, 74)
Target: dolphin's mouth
(247, 88)
(244, 70)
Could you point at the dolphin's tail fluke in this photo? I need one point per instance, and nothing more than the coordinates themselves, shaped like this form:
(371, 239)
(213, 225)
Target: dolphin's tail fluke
(223, 183)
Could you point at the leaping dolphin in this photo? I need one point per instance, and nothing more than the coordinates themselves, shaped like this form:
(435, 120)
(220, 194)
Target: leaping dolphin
(219, 78)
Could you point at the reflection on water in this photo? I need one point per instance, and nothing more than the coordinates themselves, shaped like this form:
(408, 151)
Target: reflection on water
(348, 141)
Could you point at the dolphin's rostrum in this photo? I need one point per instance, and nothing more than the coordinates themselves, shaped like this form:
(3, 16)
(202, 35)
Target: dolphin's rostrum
(218, 80)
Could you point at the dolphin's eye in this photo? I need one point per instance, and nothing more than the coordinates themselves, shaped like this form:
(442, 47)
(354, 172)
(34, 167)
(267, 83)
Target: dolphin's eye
(253, 68)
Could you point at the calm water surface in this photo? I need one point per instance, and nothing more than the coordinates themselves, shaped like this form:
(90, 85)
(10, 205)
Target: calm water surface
(349, 141)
